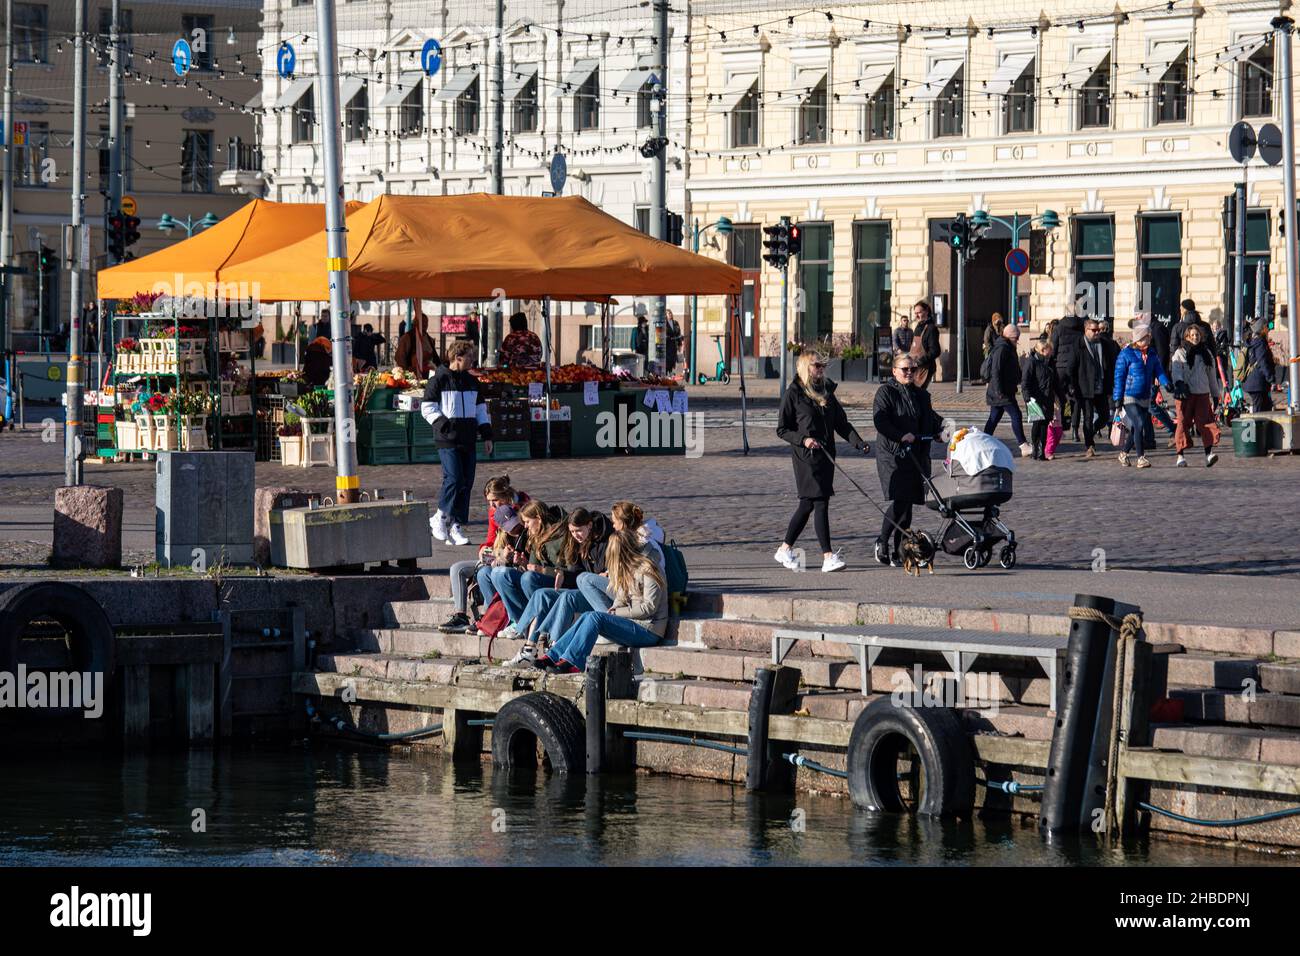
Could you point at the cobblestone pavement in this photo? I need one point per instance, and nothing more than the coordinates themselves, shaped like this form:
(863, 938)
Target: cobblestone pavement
(730, 510)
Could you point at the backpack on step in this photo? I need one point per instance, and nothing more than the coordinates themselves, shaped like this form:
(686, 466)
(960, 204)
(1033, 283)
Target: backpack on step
(676, 574)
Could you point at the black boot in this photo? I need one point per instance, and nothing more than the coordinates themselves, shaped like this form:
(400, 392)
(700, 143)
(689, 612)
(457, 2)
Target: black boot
(882, 552)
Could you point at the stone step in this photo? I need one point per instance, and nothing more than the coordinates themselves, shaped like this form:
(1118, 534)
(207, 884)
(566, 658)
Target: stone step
(1237, 743)
(1204, 669)
(428, 613)
(1214, 706)
(424, 642)
(390, 666)
(1280, 678)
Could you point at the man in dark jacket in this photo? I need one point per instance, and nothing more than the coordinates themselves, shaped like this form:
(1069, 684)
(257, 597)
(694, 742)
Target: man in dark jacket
(1066, 338)
(1002, 371)
(451, 405)
(1259, 368)
(925, 343)
(1092, 375)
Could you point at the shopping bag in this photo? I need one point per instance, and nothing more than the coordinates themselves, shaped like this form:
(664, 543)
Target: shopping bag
(1034, 411)
(1119, 434)
(1054, 433)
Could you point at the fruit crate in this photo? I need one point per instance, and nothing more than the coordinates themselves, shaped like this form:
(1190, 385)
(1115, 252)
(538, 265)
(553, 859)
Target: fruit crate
(420, 433)
(384, 454)
(505, 451)
(561, 440)
(510, 419)
(384, 429)
(424, 455)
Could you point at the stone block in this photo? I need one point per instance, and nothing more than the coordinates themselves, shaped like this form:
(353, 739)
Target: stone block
(685, 760)
(711, 664)
(736, 635)
(716, 695)
(353, 534)
(1236, 743)
(1197, 669)
(359, 601)
(267, 501)
(1049, 625)
(1193, 802)
(1275, 710)
(656, 691)
(87, 527)
(1280, 678)
(1286, 644)
(757, 607)
(995, 621)
(828, 613)
(1249, 641)
(311, 594)
(1280, 748)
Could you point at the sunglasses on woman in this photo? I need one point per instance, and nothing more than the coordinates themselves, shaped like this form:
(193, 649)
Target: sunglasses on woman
(905, 369)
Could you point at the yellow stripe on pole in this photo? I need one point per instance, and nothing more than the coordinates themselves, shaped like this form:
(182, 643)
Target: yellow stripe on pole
(339, 264)
(347, 482)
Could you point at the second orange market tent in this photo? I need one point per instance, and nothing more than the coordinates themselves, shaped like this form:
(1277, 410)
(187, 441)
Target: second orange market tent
(469, 247)
(251, 231)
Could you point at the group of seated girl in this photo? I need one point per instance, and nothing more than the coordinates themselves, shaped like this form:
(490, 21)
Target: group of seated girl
(566, 579)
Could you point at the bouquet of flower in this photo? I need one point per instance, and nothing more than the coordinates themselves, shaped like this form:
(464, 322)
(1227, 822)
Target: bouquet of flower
(128, 345)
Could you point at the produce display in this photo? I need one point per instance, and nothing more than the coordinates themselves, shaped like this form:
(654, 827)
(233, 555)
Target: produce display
(571, 374)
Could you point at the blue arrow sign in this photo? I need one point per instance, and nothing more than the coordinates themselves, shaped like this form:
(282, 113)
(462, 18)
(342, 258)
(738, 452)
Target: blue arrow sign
(431, 57)
(285, 59)
(182, 57)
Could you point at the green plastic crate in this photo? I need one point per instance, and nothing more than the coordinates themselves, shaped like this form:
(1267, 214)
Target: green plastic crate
(420, 432)
(505, 451)
(381, 400)
(424, 455)
(384, 429)
(384, 454)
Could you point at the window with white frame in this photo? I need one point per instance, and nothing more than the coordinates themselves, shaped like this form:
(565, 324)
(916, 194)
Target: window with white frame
(1171, 92)
(1094, 98)
(411, 113)
(586, 103)
(357, 116)
(1257, 82)
(304, 117)
(468, 110)
(1019, 101)
(949, 112)
(524, 107)
(813, 123)
(878, 121)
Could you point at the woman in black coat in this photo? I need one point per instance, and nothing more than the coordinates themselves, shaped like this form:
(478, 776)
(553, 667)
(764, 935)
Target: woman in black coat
(1259, 365)
(811, 416)
(903, 416)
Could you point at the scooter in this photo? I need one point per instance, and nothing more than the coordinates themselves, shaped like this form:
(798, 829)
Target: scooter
(720, 374)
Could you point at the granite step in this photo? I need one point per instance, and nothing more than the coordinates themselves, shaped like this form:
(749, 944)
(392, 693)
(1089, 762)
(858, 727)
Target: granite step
(1205, 705)
(1269, 745)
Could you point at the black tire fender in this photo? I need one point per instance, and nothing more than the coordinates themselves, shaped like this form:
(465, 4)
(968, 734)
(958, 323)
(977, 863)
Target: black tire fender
(92, 642)
(882, 732)
(552, 721)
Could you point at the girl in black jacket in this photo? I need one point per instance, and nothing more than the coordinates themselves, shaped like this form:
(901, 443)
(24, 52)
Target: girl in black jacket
(903, 417)
(811, 416)
(1038, 382)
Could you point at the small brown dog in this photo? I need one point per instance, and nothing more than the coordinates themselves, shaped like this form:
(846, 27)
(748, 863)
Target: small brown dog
(918, 552)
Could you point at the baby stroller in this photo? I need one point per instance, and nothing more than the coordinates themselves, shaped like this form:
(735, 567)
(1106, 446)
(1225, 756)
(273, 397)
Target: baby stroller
(975, 481)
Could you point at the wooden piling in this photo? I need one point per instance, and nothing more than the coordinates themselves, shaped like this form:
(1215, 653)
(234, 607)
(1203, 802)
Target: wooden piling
(774, 692)
(460, 739)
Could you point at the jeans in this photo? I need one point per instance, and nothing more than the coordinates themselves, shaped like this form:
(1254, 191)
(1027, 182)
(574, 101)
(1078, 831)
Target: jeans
(595, 588)
(576, 643)
(461, 573)
(457, 482)
(1140, 432)
(485, 585)
(1013, 412)
(516, 587)
(552, 610)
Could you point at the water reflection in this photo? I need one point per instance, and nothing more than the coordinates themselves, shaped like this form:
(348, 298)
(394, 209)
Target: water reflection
(324, 805)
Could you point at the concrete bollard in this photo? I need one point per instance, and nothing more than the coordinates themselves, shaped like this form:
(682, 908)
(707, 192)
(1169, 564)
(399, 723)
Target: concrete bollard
(87, 527)
(265, 501)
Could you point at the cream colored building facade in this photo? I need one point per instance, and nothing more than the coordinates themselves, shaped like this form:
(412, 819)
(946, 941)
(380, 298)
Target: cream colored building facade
(873, 129)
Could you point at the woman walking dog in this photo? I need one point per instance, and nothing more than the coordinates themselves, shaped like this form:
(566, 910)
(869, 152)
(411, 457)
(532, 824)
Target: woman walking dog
(811, 416)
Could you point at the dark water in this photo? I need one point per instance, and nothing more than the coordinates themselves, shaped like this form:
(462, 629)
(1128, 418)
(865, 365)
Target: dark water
(325, 806)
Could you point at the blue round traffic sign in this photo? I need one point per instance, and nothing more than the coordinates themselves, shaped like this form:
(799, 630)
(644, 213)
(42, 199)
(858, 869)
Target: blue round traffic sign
(285, 59)
(1017, 262)
(559, 172)
(182, 57)
(431, 57)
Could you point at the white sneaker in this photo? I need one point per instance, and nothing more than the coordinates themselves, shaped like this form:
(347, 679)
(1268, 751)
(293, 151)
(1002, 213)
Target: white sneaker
(1181, 462)
(603, 640)
(458, 536)
(1210, 459)
(788, 559)
(1143, 462)
(833, 562)
(1123, 458)
(1026, 450)
(527, 654)
(438, 526)
(509, 633)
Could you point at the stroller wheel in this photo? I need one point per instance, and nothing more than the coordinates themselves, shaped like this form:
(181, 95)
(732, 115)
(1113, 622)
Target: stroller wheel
(971, 558)
(1007, 557)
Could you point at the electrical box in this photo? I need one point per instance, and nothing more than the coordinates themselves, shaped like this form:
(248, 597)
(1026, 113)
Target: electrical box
(203, 508)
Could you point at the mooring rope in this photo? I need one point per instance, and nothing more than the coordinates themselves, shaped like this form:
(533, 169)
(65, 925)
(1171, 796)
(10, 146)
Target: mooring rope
(1130, 625)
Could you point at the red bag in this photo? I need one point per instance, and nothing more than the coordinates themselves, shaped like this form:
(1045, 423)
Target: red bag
(1054, 432)
(494, 619)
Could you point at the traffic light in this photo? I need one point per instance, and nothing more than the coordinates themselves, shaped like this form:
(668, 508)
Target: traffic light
(116, 237)
(49, 261)
(1270, 309)
(777, 243)
(674, 230)
(794, 242)
(959, 233)
(130, 231)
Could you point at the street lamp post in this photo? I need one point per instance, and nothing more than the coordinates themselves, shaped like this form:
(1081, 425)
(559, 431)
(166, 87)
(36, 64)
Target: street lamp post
(166, 223)
(723, 225)
(982, 220)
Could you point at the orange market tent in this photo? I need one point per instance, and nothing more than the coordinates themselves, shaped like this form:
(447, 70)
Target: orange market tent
(251, 231)
(476, 247)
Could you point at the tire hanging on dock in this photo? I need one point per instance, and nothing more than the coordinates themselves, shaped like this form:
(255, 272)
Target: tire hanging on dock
(91, 640)
(552, 721)
(883, 732)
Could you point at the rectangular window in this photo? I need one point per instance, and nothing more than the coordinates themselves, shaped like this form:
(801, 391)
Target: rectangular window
(192, 22)
(524, 110)
(128, 165)
(948, 111)
(29, 157)
(1257, 82)
(1160, 245)
(817, 281)
(745, 248)
(1094, 106)
(1171, 93)
(467, 109)
(1018, 104)
(586, 104)
(744, 120)
(357, 116)
(641, 218)
(31, 33)
(196, 161)
(1094, 266)
(644, 112)
(241, 156)
(304, 117)
(812, 116)
(125, 32)
(1257, 261)
(878, 122)
(871, 285)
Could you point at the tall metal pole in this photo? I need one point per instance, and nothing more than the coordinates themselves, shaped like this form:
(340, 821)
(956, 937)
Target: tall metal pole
(76, 365)
(347, 482)
(1239, 267)
(1282, 49)
(7, 202)
(659, 172)
(785, 328)
(1015, 244)
(498, 103)
(695, 247)
(115, 131)
(960, 313)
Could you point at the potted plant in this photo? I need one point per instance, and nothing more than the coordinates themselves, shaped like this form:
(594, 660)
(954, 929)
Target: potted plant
(290, 438)
(128, 357)
(193, 409)
(162, 409)
(853, 361)
(291, 385)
